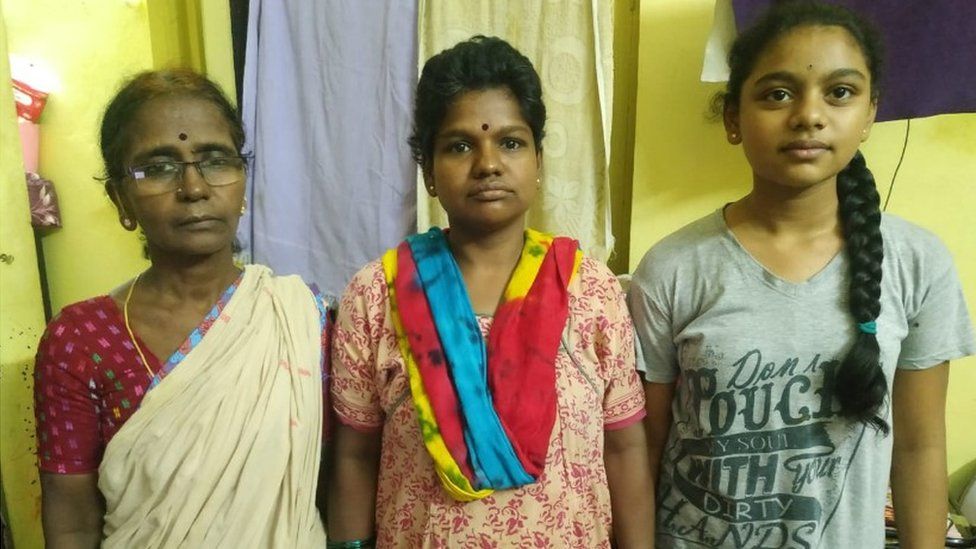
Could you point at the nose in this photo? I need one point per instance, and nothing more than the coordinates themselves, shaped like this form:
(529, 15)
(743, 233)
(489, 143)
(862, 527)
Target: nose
(192, 183)
(808, 113)
(488, 162)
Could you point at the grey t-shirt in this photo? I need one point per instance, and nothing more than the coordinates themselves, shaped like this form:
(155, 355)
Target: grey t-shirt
(757, 456)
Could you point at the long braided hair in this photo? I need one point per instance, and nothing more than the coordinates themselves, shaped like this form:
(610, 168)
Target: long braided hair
(859, 384)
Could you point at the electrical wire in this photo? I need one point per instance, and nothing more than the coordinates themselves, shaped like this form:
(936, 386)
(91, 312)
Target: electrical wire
(904, 147)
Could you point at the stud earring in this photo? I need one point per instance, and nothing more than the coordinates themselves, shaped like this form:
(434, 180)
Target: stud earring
(127, 223)
(244, 206)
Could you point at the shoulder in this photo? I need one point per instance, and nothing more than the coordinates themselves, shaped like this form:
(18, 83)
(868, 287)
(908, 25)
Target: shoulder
(366, 292)
(68, 334)
(83, 315)
(690, 247)
(905, 237)
(592, 271)
(370, 276)
(595, 281)
(913, 249)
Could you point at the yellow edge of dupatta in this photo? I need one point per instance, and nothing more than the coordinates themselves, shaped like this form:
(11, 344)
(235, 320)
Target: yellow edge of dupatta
(453, 480)
(533, 252)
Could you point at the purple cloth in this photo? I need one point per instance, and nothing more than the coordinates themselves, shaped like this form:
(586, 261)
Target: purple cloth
(930, 52)
(43, 202)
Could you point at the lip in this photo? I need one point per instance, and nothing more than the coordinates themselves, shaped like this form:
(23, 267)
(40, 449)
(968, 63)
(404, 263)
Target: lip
(805, 149)
(198, 221)
(490, 191)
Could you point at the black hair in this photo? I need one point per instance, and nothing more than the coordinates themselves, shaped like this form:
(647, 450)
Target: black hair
(859, 384)
(144, 87)
(480, 63)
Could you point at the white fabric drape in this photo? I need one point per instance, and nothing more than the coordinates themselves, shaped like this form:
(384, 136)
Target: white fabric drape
(328, 93)
(571, 46)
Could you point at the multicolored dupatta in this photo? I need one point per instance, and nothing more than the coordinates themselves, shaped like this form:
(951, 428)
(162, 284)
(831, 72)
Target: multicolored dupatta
(486, 412)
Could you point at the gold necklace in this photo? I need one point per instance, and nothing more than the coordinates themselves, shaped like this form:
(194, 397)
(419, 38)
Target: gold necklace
(125, 316)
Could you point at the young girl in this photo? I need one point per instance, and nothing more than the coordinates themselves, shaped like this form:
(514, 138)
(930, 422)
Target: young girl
(796, 342)
(484, 378)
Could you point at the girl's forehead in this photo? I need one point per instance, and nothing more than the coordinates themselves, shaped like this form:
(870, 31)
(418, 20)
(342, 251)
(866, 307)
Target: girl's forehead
(810, 48)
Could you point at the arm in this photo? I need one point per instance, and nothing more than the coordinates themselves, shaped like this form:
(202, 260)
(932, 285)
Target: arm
(658, 397)
(631, 487)
(72, 511)
(352, 484)
(918, 461)
(355, 452)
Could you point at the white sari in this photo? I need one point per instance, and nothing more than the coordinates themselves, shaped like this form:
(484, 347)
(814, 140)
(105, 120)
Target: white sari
(225, 451)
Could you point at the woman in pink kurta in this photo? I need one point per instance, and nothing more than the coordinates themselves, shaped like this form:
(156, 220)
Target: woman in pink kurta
(597, 389)
(562, 364)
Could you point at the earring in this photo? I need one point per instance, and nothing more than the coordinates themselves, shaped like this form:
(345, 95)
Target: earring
(127, 223)
(244, 206)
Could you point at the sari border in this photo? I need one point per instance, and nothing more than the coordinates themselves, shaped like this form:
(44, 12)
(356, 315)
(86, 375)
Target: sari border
(197, 335)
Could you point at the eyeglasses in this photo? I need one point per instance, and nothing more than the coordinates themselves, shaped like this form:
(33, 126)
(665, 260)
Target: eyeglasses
(164, 177)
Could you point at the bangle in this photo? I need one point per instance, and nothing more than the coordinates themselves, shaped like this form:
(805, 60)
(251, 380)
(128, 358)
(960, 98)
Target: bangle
(352, 544)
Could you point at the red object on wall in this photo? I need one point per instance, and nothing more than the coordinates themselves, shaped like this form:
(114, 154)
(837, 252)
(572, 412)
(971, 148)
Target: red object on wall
(30, 102)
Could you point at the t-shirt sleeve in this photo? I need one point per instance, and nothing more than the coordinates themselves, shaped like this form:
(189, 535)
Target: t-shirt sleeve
(68, 438)
(358, 329)
(651, 310)
(939, 327)
(623, 397)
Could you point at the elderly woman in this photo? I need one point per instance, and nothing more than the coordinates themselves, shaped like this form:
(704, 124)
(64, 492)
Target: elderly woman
(485, 382)
(185, 408)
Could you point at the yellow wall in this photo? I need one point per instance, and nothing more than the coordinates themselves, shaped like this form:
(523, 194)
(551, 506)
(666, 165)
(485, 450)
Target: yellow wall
(684, 169)
(90, 47)
(193, 34)
(20, 327)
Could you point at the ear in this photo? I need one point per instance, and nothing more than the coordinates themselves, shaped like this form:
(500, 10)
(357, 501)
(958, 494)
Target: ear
(126, 219)
(866, 132)
(730, 117)
(429, 182)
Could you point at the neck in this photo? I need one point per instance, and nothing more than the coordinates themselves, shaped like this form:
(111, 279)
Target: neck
(182, 278)
(500, 249)
(779, 209)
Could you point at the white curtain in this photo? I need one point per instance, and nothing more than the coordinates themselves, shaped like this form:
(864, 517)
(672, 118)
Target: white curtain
(328, 94)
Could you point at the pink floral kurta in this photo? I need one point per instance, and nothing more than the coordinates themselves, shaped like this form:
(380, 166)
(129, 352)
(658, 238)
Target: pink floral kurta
(597, 389)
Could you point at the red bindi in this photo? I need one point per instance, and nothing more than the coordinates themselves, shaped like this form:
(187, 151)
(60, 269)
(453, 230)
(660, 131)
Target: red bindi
(484, 127)
(182, 137)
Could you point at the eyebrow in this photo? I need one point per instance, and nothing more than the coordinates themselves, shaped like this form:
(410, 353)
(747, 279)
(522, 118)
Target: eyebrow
(460, 132)
(171, 151)
(792, 78)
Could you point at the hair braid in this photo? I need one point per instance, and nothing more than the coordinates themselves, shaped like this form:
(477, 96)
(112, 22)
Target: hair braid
(860, 383)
